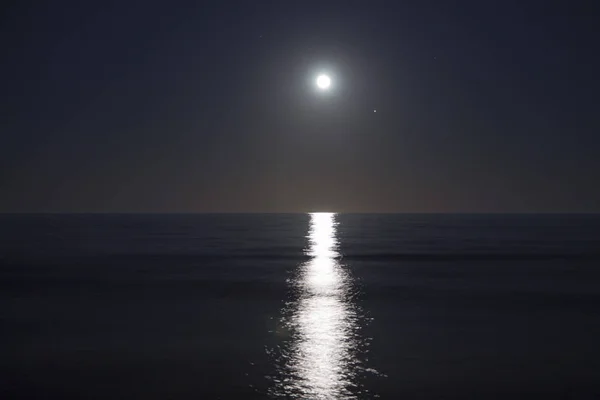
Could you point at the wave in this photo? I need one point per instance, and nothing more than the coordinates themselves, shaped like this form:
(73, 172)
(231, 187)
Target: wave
(194, 258)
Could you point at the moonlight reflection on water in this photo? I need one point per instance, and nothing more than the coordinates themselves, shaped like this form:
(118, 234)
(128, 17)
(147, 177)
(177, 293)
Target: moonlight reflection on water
(321, 361)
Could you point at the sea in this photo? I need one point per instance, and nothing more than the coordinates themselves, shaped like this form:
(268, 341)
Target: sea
(299, 306)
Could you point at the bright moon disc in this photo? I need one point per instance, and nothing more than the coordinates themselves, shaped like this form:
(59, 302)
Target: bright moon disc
(323, 81)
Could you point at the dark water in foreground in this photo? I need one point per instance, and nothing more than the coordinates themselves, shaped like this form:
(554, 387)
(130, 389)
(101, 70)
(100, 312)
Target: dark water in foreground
(299, 306)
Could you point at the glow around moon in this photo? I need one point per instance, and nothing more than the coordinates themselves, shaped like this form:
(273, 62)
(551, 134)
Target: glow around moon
(323, 82)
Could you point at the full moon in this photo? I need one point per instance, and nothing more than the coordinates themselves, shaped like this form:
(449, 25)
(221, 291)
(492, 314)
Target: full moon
(323, 81)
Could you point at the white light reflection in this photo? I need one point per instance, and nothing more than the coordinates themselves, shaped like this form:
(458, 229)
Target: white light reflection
(321, 363)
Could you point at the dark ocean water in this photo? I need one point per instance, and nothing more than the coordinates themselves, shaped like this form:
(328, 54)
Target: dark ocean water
(299, 306)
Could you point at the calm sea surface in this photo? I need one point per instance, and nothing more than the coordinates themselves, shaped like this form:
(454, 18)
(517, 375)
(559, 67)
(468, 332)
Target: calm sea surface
(299, 306)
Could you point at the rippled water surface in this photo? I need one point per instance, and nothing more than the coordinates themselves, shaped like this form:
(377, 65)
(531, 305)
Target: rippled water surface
(299, 306)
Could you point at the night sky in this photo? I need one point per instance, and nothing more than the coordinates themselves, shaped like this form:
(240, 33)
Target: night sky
(173, 106)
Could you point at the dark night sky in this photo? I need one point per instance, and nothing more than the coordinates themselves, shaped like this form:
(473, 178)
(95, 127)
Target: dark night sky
(175, 106)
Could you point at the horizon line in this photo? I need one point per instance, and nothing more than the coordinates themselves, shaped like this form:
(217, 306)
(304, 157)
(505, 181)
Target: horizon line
(299, 212)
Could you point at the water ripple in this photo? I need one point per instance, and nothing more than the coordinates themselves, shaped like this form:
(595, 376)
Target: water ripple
(323, 357)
